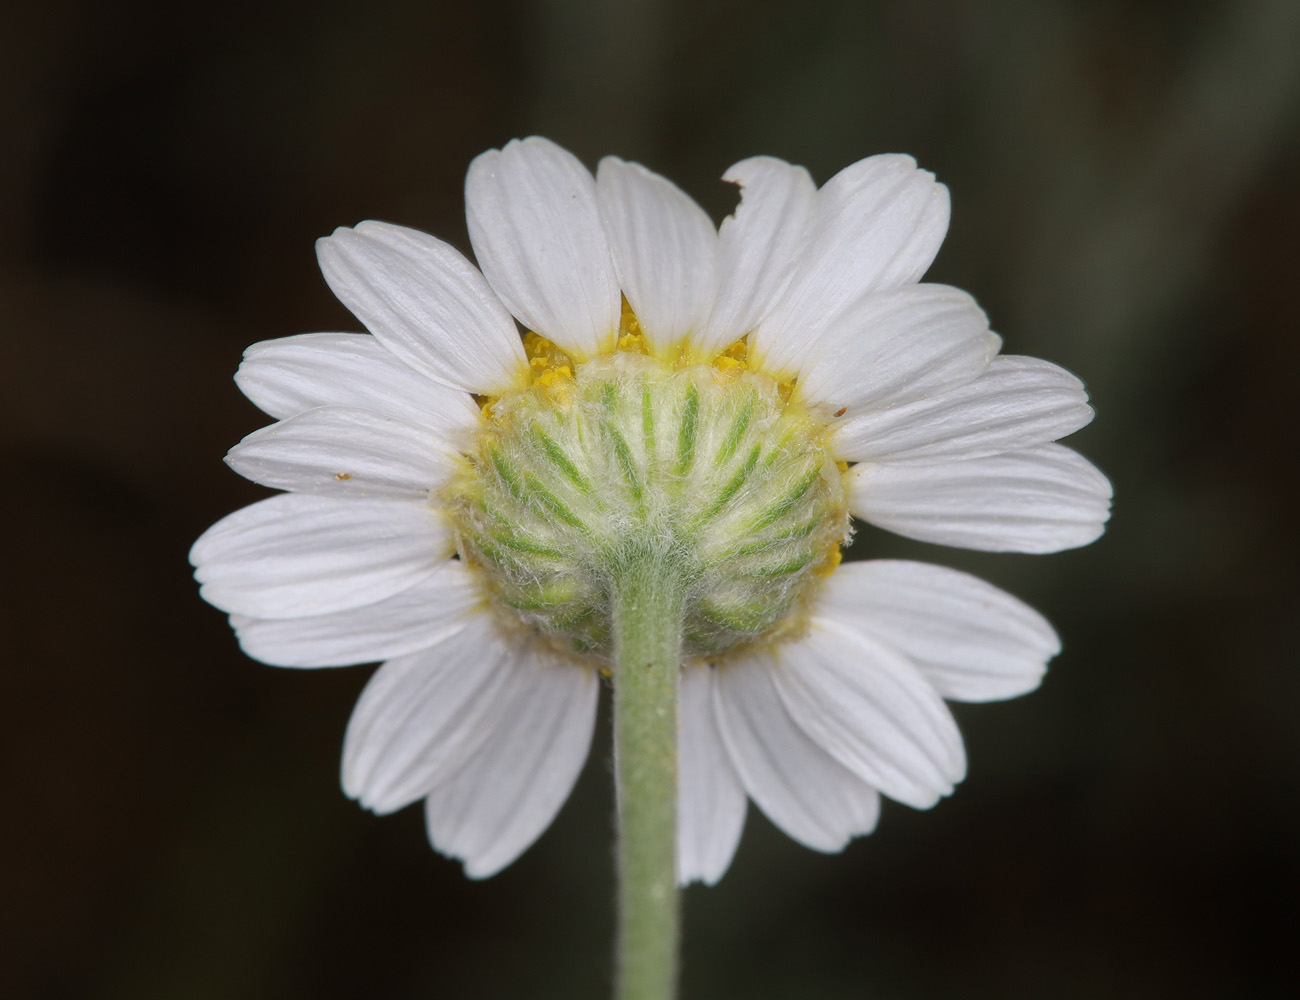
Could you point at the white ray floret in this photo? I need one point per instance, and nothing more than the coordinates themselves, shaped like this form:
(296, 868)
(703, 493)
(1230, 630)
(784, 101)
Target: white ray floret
(870, 709)
(425, 303)
(337, 451)
(710, 797)
(291, 555)
(290, 376)
(795, 781)
(759, 246)
(890, 348)
(423, 715)
(971, 641)
(1016, 403)
(1036, 500)
(664, 249)
(536, 230)
(495, 806)
(420, 617)
(877, 227)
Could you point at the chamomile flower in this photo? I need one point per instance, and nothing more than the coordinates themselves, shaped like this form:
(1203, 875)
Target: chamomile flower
(460, 496)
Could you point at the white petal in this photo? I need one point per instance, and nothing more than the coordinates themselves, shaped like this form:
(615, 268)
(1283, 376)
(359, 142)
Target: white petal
(1038, 500)
(415, 619)
(971, 641)
(502, 800)
(895, 347)
(759, 246)
(869, 708)
(291, 555)
(879, 225)
(710, 799)
(422, 716)
(294, 374)
(800, 787)
(664, 248)
(536, 231)
(1017, 403)
(335, 451)
(426, 303)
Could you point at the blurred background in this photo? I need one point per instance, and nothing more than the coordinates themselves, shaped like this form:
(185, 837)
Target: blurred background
(1124, 180)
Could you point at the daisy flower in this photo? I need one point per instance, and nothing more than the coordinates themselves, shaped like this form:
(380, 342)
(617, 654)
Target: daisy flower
(462, 501)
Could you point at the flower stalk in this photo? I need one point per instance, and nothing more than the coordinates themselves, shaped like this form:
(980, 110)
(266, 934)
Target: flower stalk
(648, 608)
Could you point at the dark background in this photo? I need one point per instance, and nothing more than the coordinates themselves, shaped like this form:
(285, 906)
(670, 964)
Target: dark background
(1124, 180)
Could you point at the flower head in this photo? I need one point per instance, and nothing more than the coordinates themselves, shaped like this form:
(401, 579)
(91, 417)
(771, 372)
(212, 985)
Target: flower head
(461, 496)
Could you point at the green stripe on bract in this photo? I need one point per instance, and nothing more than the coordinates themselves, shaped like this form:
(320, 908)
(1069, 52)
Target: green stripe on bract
(791, 565)
(512, 540)
(562, 461)
(507, 474)
(551, 502)
(733, 487)
(648, 420)
(557, 594)
(788, 502)
(690, 419)
(628, 465)
(737, 432)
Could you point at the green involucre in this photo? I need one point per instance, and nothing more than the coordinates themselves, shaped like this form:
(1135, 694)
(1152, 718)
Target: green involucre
(709, 473)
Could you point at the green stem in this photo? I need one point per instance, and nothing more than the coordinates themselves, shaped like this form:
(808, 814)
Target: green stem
(647, 660)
